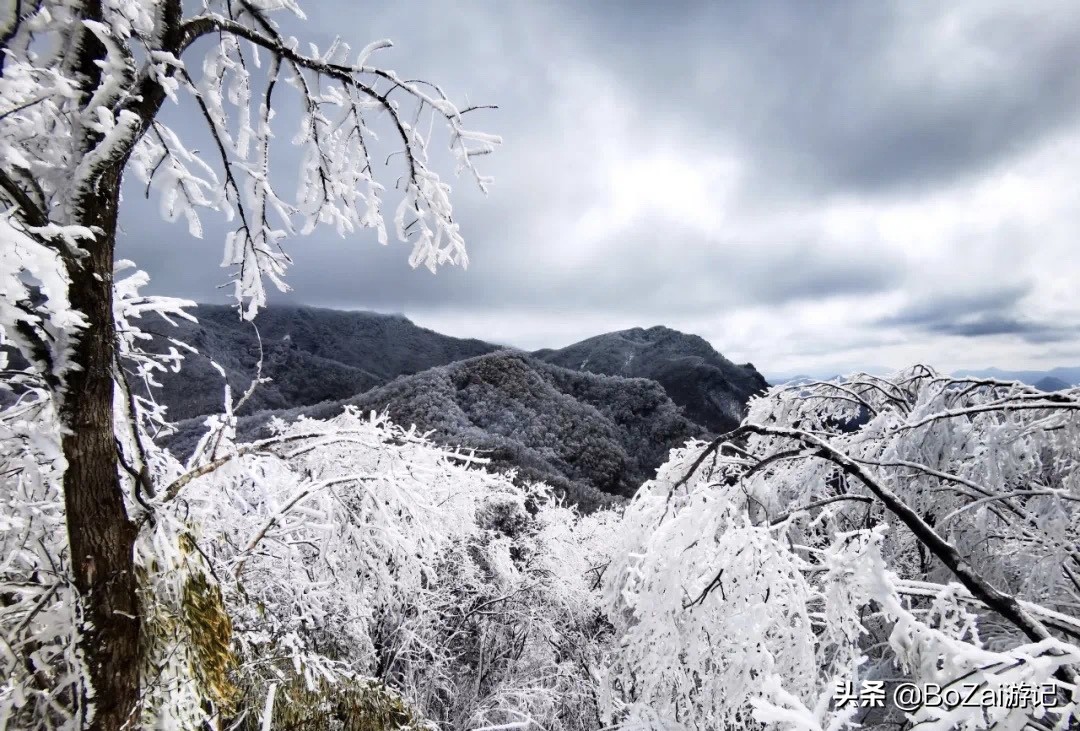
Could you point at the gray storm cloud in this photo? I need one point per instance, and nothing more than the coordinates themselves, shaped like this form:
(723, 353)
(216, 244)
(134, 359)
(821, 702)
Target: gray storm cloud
(802, 184)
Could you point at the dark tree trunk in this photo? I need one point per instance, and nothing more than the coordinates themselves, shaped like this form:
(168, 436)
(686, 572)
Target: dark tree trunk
(101, 536)
(100, 533)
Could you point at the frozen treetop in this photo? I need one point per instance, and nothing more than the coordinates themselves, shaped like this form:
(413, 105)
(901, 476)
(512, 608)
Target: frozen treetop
(103, 116)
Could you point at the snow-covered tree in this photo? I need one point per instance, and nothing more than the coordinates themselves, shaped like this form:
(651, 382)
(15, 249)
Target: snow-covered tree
(351, 550)
(82, 87)
(350, 573)
(338, 573)
(918, 528)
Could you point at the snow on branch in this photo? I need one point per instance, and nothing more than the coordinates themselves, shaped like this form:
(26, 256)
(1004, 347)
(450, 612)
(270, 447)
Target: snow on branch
(337, 176)
(917, 528)
(249, 72)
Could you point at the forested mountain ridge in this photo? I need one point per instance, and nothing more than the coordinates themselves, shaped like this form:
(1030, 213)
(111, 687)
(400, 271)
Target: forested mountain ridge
(712, 390)
(592, 436)
(594, 419)
(309, 355)
(313, 354)
(385, 345)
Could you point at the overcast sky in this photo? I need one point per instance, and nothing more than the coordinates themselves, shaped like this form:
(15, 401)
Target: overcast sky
(810, 186)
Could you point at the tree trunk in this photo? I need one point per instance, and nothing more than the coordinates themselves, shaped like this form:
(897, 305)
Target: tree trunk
(100, 534)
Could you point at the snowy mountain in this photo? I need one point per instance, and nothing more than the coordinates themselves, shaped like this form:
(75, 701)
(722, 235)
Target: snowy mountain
(589, 435)
(310, 355)
(594, 419)
(712, 390)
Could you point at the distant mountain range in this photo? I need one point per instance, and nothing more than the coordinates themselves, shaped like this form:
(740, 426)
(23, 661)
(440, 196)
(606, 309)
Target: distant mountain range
(594, 437)
(1054, 379)
(594, 419)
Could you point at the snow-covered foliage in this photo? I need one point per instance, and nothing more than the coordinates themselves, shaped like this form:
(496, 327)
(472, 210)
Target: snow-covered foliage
(349, 573)
(36, 319)
(62, 124)
(324, 562)
(351, 548)
(918, 528)
(38, 614)
(103, 585)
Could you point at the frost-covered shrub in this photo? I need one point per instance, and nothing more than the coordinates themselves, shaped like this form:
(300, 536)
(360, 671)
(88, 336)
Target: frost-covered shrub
(38, 612)
(918, 528)
(363, 550)
(338, 555)
(348, 704)
(333, 558)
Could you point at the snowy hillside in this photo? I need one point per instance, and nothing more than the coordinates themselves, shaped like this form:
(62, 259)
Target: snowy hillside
(593, 437)
(712, 390)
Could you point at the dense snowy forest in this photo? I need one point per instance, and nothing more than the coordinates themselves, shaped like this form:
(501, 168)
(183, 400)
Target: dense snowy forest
(859, 536)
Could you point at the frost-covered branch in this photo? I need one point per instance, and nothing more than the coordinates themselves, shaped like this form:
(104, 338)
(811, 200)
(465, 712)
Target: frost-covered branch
(82, 87)
(927, 532)
(1002, 603)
